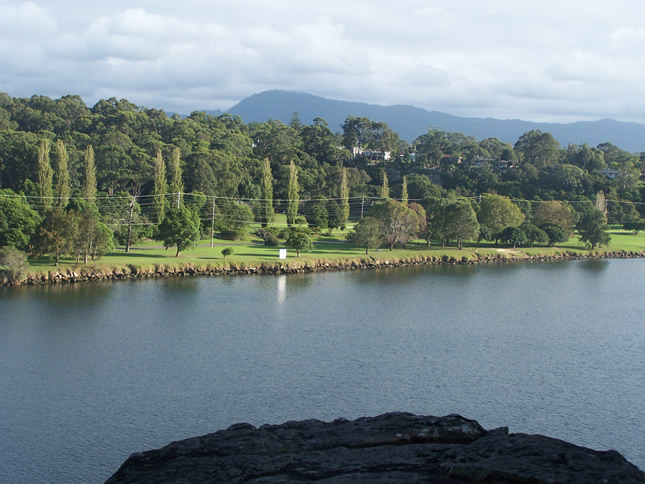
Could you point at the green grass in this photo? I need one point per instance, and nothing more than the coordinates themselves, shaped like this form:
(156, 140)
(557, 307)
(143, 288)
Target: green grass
(333, 249)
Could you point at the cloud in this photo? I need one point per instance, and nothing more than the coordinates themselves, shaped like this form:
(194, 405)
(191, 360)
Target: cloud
(493, 58)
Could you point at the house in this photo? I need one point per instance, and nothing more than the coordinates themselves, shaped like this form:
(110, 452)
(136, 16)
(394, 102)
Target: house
(372, 155)
(610, 173)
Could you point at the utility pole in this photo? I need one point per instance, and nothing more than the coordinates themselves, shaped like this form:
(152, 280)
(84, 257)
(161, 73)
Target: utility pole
(130, 212)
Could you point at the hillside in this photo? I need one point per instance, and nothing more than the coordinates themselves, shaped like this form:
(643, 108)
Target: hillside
(410, 122)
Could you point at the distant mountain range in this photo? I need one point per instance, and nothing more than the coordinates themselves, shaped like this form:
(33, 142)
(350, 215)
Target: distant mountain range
(410, 122)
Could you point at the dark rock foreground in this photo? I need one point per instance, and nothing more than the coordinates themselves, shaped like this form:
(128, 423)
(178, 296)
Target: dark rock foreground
(394, 447)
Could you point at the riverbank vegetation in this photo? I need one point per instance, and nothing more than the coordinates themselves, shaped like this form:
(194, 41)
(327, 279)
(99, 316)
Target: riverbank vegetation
(111, 185)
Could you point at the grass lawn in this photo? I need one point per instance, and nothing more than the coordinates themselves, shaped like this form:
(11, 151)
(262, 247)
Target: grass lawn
(328, 247)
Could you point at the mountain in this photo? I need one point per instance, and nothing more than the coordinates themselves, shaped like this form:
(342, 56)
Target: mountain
(410, 122)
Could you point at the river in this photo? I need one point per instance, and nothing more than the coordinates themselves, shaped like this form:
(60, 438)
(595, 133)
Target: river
(92, 372)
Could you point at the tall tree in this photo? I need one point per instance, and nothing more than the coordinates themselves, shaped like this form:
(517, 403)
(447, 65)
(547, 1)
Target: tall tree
(367, 233)
(62, 190)
(460, 221)
(398, 223)
(177, 183)
(293, 194)
(89, 181)
(344, 200)
(404, 191)
(45, 177)
(592, 228)
(266, 203)
(160, 187)
(497, 212)
(385, 187)
(180, 227)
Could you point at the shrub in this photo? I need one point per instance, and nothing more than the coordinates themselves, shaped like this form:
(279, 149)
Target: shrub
(226, 251)
(13, 264)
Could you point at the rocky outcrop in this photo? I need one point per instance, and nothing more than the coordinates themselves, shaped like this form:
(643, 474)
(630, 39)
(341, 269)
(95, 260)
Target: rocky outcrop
(395, 447)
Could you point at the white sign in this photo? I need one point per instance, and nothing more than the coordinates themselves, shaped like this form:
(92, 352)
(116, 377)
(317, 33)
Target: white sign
(283, 254)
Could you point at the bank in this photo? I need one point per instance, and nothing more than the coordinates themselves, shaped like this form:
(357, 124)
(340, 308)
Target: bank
(374, 260)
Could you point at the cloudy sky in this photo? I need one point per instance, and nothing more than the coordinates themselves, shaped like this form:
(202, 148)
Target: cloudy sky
(560, 61)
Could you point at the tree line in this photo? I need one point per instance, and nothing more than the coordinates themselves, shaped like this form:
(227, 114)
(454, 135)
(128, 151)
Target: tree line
(77, 180)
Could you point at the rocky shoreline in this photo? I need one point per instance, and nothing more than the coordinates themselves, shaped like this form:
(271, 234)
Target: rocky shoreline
(100, 273)
(394, 447)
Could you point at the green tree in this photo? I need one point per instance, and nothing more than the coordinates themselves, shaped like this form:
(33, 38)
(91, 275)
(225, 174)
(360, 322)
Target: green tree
(555, 233)
(226, 251)
(160, 187)
(534, 234)
(404, 191)
(62, 190)
(300, 242)
(316, 213)
(460, 221)
(45, 177)
(267, 194)
(514, 236)
(293, 194)
(177, 182)
(89, 181)
(56, 235)
(635, 224)
(18, 221)
(592, 228)
(180, 227)
(538, 148)
(497, 212)
(398, 223)
(236, 218)
(344, 200)
(555, 212)
(385, 187)
(367, 233)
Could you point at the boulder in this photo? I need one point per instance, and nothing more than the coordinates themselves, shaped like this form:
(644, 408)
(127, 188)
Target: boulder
(394, 447)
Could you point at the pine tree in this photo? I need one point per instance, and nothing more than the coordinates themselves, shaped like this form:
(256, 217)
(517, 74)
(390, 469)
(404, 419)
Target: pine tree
(45, 176)
(89, 183)
(344, 200)
(385, 188)
(404, 191)
(177, 185)
(267, 193)
(293, 194)
(160, 187)
(63, 190)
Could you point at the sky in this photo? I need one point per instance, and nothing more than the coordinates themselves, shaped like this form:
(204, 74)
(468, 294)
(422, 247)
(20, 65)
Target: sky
(555, 61)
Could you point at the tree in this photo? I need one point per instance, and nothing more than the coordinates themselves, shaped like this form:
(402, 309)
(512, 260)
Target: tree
(160, 187)
(56, 234)
(514, 236)
(398, 223)
(460, 221)
(299, 241)
(333, 215)
(226, 251)
(179, 227)
(404, 191)
(235, 219)
(62, 190)
(497, 212)
(385, 187)
(534, 234)
(45, 177)
(13, 264)
(367, 233)
(555, 233)
(18, 221)
(316, 213)
(635, 224)
(293, 194)
(422, 216)
(344, 200)
(592, 228)
(538, 148)
(555, 212)
(267, 194)
(176, 183)
(89, 181)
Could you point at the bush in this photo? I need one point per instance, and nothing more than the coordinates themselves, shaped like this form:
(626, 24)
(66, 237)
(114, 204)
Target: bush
(13, 264)
(226, 251)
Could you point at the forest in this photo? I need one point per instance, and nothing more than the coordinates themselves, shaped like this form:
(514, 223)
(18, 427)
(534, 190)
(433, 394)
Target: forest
(116, 172)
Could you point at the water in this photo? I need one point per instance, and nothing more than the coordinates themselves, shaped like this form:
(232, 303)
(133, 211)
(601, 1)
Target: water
(93, 372)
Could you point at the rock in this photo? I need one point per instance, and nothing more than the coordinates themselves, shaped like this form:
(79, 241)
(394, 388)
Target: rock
(394, 447)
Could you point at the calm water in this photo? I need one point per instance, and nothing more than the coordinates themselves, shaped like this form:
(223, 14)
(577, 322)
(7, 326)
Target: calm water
(93, 372)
